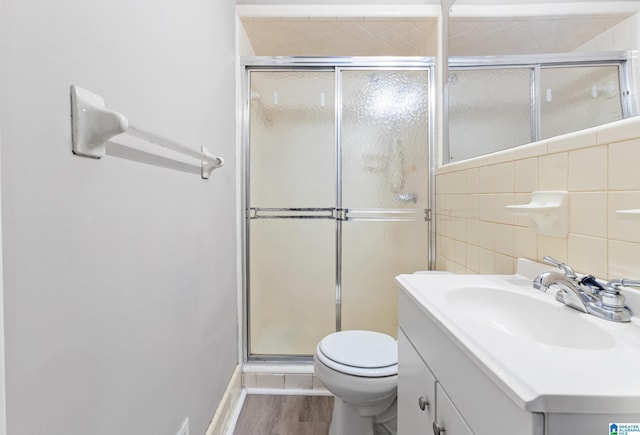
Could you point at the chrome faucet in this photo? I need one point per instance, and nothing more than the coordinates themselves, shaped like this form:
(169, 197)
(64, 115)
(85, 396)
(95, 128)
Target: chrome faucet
(586, 294)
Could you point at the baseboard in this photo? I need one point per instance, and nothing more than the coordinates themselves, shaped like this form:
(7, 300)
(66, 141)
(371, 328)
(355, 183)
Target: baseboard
(226, 415)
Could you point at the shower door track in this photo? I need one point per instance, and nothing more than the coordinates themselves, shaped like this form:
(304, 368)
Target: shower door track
(339, 214)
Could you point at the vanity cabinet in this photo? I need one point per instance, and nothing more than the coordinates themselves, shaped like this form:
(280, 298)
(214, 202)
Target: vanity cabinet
(492, 356)
(462, 400)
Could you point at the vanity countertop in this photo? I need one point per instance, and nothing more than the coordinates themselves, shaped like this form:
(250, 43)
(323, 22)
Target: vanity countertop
(545, 356)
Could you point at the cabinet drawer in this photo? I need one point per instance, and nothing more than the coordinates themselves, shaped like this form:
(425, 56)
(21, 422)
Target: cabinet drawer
(415, 381)
(448, 418)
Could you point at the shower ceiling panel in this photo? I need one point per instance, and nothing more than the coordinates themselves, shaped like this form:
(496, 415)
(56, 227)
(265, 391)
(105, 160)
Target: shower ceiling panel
(283, 36)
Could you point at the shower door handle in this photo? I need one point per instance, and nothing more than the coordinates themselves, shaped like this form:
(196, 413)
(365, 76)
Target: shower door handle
(384, 215)
(291, 213)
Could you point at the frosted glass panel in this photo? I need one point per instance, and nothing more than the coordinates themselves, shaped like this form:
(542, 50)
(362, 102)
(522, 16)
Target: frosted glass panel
(385, 139)
(576, 98)
(292, 137)
(373, 254)
(489, 110)
(292, 285)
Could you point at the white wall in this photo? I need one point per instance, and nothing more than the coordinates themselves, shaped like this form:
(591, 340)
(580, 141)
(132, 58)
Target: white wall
(3, 416)
(119, 277)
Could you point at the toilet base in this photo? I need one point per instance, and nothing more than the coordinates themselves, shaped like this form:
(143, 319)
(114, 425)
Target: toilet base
(348, 419)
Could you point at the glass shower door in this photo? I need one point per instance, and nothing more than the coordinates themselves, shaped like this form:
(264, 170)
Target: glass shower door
(337, 199)
(385, 189)
(291, 230)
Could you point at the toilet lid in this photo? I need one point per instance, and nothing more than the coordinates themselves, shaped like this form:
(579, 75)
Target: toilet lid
(362, 353)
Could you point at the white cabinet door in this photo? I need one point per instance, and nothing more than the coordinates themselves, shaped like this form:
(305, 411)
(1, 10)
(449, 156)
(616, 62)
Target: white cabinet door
(416, 391)
(448, 419)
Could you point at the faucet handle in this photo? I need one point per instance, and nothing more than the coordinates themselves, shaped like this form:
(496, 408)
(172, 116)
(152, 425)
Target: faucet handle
(565, 267)
(611, 295)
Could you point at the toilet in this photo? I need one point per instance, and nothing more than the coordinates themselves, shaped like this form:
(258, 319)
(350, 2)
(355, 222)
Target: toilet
(360, 368)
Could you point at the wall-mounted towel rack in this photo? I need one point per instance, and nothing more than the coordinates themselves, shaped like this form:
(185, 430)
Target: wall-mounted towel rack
(93, 126)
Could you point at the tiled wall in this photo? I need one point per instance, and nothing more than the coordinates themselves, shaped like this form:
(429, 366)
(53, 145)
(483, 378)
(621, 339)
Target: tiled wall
(600, 169)
(299, 377)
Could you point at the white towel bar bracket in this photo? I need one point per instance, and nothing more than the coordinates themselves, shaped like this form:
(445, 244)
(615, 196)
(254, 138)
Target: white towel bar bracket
(93, 125)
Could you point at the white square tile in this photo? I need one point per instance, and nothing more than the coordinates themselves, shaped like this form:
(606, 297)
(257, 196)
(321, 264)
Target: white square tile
(459, 205)
(269, 380)
(588, 255)
(458, 182)
(316, 384)
(555, 247)
(449, 248)
(472, 231)
(587, 215)
(504, 178)
(460, 253)
(501, 213)
(472, 261)
(623, 130)
(504, 264)
(486, 207)
(485, 235)
(623, 260)
(503, 239)
(298, 381)
(486, 262)
(459, 269)
(486, 182)
(623, 165)
(472, 206)
(472, 179)
(620, 227)
(460, 229)
(249, 380)
(525, 175)
(552, 172)
(525, 243)
(588, 169)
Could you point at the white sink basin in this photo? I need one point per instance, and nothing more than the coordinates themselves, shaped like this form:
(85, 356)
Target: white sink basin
(520, 315)
(545, 356)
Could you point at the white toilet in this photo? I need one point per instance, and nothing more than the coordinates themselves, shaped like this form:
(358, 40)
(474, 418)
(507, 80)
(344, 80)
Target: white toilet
(360, 368)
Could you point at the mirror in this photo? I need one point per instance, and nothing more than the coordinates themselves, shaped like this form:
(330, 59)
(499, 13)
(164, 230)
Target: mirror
(525, 72)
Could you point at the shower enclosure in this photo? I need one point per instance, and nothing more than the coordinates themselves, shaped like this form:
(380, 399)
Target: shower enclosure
(337, 196)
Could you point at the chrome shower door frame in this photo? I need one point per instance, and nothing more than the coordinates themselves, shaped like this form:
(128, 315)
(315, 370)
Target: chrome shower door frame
(339, 214)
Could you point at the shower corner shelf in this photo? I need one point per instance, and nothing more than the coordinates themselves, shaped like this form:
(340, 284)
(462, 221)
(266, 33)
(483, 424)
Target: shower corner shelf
(93, 125)
(548, 211)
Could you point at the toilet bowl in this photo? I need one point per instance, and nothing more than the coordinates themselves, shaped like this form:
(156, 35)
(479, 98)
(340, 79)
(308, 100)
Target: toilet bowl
(360, 368)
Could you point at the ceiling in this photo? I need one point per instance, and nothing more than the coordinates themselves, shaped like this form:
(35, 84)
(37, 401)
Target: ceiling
(282, 36)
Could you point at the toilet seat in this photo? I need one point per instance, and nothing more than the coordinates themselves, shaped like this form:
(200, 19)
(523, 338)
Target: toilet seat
(360, 353)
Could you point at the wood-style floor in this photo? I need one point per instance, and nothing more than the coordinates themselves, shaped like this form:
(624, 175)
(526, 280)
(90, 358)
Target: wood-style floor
(285, 415)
